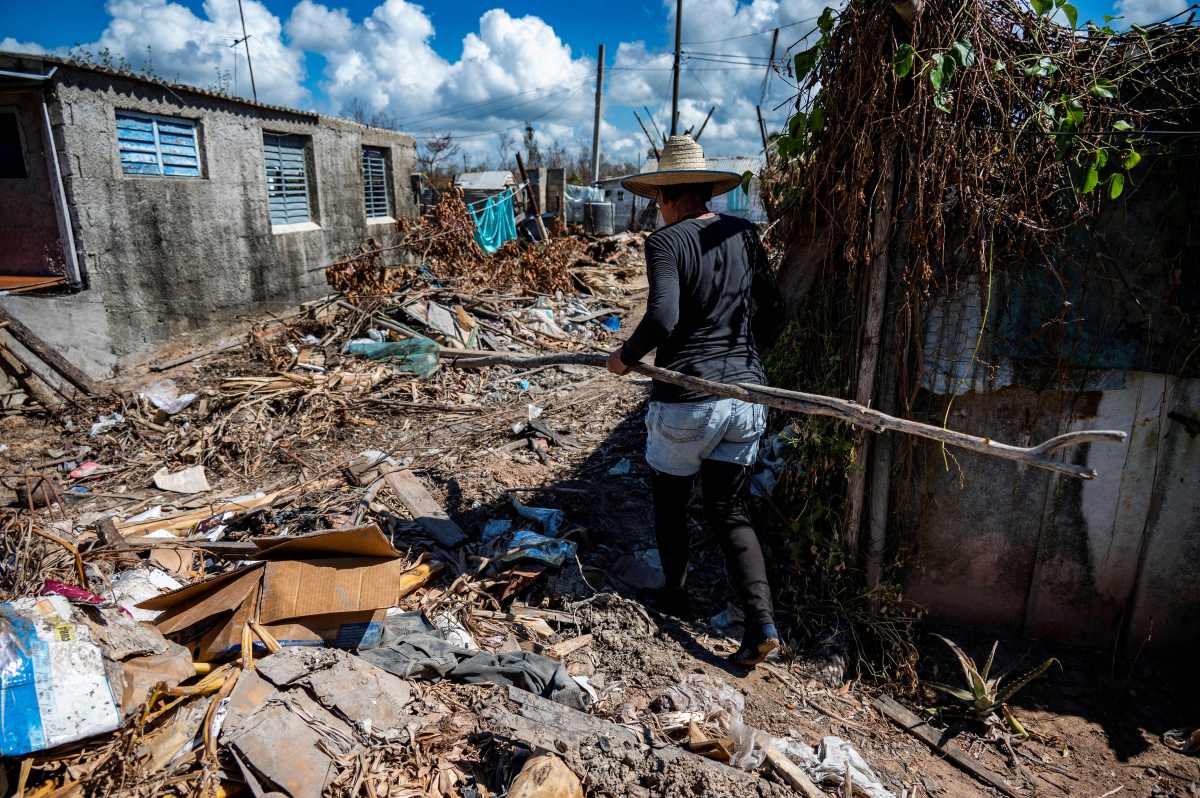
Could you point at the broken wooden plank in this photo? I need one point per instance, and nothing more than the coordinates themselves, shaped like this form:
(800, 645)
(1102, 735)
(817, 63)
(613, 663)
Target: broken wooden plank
(49, 356)
(791, 773)
(922, 731)
(424, 508)
(568, 647)
(1044, 455)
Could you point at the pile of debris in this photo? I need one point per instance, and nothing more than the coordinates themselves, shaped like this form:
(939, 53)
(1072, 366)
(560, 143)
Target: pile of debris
(290, 611)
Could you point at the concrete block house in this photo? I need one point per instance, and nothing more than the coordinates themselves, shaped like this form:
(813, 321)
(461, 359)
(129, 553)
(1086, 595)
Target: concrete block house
(135, 212)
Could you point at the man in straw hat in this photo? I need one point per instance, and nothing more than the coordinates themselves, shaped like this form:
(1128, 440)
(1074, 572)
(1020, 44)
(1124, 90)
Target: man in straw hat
(712, 303)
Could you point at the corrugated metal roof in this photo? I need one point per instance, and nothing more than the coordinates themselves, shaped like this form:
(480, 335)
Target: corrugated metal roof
(30, 60)
(484, 181)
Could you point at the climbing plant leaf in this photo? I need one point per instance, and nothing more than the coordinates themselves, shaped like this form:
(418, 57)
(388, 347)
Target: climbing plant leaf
(1116, 184)
(902, 63)
(963, 53)
(1042, 7)
(1132, 159)
(805, 61)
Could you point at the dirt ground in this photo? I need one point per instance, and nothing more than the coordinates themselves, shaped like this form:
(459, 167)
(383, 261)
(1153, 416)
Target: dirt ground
(1097, 730)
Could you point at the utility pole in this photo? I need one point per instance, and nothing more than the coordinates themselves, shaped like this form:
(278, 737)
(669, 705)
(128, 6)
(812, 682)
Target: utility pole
(762, 129)
(704, 124)
(246, 41)
(762, 94)
(599, 111)
(675, 72)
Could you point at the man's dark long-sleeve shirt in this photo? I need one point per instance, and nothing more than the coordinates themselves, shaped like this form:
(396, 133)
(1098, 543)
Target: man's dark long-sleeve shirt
(712, 303)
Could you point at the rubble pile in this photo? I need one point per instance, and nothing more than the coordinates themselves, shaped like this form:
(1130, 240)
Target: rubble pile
(320, 563)
(441, 244)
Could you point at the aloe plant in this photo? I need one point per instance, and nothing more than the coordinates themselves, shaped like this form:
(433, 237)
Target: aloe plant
(985, 695)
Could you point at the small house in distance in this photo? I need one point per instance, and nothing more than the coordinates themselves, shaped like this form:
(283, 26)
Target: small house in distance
(478, 186)
(163, 211)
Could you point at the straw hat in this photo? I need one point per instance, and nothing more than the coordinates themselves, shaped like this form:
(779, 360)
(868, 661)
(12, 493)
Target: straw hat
(681, 162)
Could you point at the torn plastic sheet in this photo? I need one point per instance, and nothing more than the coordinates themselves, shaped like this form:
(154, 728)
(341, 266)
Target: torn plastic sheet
(549, 519)
(827, 765)
(164, 394)
(528, 545)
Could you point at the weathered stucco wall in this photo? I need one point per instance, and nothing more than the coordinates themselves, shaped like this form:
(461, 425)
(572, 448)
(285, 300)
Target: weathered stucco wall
(1113, 561)
(165, 257)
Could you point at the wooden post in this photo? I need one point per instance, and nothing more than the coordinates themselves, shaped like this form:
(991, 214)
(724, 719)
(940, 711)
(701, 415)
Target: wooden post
(762, 93)
(704, 124)
(872, 326)
(599, 112)
(762, 129)
(653, 144)
(532, 200)
(675, 70)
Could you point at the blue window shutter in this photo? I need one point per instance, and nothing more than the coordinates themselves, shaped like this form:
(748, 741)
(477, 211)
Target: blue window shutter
(287, 178)
(376, 191)
(155, 145)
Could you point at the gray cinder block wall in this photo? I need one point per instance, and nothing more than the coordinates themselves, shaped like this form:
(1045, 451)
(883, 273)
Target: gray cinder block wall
(164, 258)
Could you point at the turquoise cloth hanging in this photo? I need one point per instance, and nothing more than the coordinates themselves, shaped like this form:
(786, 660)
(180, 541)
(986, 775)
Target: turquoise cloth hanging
(495, 224)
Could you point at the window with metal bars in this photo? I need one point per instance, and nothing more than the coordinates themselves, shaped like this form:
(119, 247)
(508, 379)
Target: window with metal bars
(377, 195)
(157, 145)
(286, 159)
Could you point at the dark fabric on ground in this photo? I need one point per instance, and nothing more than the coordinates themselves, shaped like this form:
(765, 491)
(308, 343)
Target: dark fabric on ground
(426, 656)
(725, 488)
(712, 304)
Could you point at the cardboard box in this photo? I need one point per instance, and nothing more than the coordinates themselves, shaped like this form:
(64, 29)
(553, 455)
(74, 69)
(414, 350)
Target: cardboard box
(326, 588)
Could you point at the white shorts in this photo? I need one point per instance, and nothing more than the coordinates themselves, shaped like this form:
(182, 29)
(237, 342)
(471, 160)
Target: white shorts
(681, 434)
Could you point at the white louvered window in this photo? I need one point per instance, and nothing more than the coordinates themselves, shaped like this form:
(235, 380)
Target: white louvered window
(377, 195)
(157, 145)
(287, 178)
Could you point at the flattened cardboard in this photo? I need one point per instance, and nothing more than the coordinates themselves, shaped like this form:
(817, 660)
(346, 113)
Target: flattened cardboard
(359, 541)
(325, 588)
(300, 588)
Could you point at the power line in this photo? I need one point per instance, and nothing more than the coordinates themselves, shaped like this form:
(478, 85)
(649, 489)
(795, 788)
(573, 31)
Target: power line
(481, 103)
(755, 33)
(465, 136)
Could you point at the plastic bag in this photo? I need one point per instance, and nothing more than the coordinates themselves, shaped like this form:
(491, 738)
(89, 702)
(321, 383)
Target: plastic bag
(418, 356)
(106, 423)
(164, 394)
(529, 545)
(549, 519)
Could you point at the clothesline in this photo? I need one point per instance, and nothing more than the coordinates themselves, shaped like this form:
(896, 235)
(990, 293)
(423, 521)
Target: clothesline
(498, 197)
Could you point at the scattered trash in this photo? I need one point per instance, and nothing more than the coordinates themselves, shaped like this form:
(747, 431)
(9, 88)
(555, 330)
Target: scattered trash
(430, 656)
(85, 469)
(132, 587)
(59, 691)
(622, 468)
(417, 356)
(527, 545)
(549, 519)
(612, 323)
(189, 480)
(324, 588)
(495, 528)
(164, 395)
(106, 423)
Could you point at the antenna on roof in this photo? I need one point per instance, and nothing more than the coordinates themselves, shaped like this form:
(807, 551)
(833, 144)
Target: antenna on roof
(246, 41)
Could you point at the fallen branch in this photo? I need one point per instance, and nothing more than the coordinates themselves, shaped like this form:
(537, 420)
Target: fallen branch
(923, 732)
(813, 404)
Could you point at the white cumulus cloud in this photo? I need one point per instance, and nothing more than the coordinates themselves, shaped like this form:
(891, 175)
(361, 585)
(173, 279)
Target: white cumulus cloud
(1144, 12)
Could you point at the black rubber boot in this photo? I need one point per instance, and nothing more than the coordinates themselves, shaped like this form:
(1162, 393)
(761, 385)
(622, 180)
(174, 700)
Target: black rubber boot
(758, 643)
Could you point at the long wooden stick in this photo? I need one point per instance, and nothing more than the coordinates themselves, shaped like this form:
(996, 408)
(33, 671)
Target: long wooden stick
(813, 404)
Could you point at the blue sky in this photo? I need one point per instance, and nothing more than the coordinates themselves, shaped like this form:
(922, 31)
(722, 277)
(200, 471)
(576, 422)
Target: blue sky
(477, 68)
